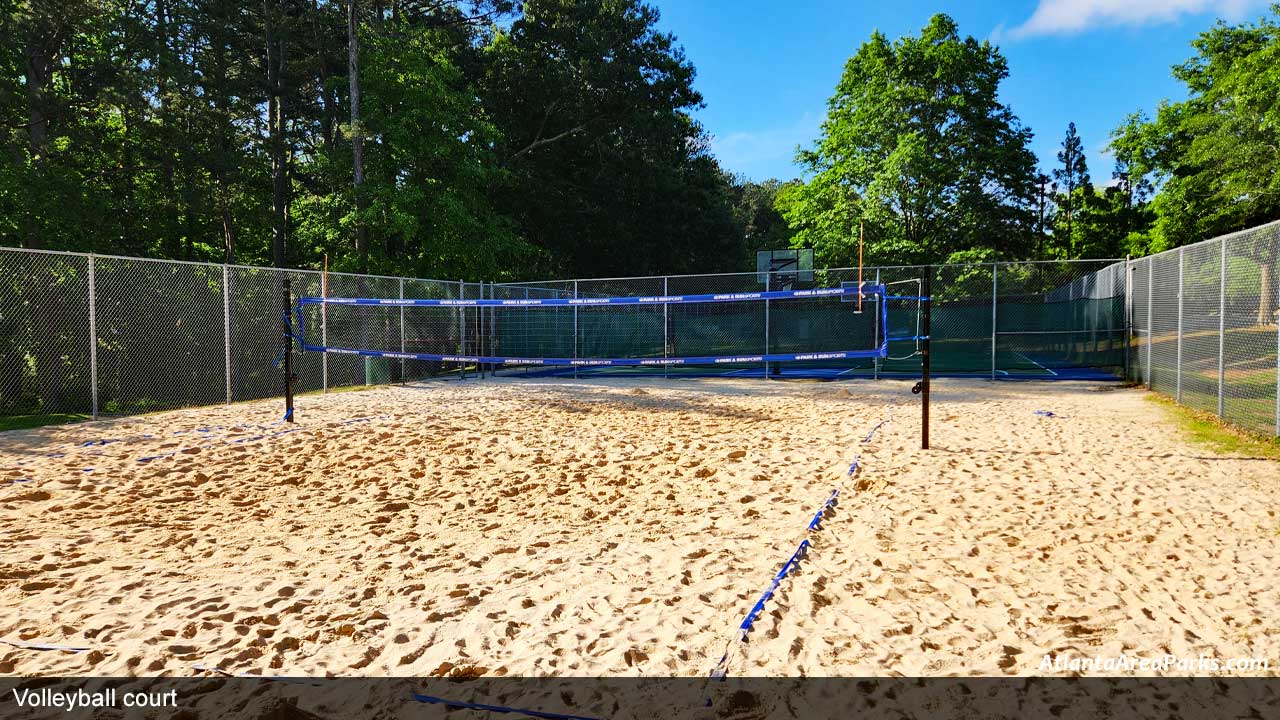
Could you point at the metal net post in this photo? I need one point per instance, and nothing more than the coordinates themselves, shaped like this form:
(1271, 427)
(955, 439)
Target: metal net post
(575, 329)
(875, 361)
(402, 369)
(768, 285)
(462, 331)
(666, 330)
(288, 352)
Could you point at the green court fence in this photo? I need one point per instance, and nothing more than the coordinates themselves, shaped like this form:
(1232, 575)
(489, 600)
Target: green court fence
(1025, 319)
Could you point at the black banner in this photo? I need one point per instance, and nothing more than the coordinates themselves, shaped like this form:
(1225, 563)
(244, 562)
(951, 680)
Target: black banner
(579, 698)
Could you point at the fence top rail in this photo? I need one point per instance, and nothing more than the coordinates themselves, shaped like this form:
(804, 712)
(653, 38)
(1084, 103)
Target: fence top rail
(234, 266)
(533, 284)
(1273, 225)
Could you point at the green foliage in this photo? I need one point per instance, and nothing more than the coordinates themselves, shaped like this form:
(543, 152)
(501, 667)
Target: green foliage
(1212, 156)
(605, 169)
(917, 145)
(220, 130)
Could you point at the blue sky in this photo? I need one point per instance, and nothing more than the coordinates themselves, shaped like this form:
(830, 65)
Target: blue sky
(766, 68)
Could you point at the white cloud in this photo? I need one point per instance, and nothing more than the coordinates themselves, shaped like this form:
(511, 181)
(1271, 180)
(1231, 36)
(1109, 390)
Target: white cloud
(768, 152)
(1061, 17)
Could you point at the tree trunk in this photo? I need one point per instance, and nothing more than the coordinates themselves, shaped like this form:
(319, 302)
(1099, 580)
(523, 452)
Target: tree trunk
(357, 135)
(42, 51)
(1267, 299)
(43, 45)
(275, 135)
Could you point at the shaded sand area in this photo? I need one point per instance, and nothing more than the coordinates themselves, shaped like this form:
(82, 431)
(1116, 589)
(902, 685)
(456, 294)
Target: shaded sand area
(625, 527)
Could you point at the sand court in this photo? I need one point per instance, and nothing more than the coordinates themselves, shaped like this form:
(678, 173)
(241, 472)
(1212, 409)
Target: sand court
(624, 527)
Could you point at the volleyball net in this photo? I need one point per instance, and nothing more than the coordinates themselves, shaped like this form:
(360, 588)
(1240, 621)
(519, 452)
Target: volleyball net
(848, 322)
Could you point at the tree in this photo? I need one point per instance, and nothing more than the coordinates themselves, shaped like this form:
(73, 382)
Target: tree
(917, 145)
(1045, 192)
(755, 211)
(604, 168)
(1073, 177)
(1213, 157)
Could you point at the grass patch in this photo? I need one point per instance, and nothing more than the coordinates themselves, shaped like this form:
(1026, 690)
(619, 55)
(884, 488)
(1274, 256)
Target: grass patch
(26, 422)
(1208, 430)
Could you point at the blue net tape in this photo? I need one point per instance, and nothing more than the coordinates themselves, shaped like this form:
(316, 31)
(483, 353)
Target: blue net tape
(866, 290)
(879, 352)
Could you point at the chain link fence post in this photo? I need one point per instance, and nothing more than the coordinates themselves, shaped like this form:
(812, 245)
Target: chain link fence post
(226, 328)
(1222, 326)
(93, 339)
(995, 294)
(1178, 372)
(1128, 318)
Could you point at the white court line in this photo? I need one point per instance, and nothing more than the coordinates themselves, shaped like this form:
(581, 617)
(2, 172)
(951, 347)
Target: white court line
(1033, 362)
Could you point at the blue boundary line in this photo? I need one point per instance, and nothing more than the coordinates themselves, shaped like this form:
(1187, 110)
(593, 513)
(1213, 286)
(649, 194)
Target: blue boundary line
(721, 670)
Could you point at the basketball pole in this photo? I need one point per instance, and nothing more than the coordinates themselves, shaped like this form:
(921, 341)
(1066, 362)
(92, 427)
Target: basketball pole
(927, 301)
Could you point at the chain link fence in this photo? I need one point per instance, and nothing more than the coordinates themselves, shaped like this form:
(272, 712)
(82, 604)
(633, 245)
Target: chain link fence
(93, 334)
(1027, 319)
(1204, 326)
(103, 335)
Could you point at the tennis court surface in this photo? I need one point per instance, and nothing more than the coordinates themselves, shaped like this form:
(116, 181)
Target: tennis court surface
(614, 526)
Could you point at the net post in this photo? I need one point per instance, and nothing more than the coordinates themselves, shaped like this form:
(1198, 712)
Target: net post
(93, 338)
(575, 329)
(666, 331)
(462, 331)
(1222, 325)
(288, 351)
(995, 293)
(875, 361)
(1178, 392)
(927, 322)
(401, 331)
(324, 327)
(226, 327)
(492, 327)
(768, 285)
